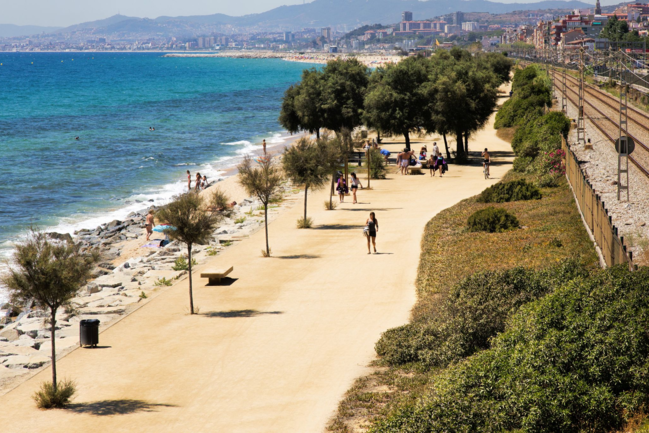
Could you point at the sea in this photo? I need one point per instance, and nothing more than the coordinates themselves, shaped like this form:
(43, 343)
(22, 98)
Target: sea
(77, 147)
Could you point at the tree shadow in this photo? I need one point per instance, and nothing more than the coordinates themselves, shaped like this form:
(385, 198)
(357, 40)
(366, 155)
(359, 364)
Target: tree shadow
(367, 209)
(239, 313)
(115, 407)
(338, 227)
(298, 256)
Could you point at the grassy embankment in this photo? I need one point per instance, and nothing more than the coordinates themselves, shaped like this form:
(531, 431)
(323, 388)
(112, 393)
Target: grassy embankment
(514, 330)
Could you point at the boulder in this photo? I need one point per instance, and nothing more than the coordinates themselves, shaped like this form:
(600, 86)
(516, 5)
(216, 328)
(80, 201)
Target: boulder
(10, 334)
(106, 265)
(92, 288)
(114, 224)
(25, 361)
(60, 236)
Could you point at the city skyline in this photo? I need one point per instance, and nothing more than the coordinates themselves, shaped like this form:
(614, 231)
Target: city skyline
(63, 13)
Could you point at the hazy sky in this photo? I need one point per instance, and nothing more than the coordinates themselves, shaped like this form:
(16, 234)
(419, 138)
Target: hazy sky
(68, 12)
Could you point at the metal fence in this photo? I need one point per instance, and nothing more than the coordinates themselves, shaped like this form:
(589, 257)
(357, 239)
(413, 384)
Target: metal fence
(595, 215)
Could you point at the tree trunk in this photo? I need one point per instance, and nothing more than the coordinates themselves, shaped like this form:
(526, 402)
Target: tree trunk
(306, 189)
(406, 135)
(378, 136)
(346, 168)
(191, 294)
(53, 337)
(459, 145)
(369, 167)
(448, 153)
(266, 227)
(317, 133)
(331, 192)
(466, 143)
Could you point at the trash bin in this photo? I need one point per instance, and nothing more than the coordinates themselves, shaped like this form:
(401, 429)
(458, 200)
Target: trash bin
(89, 332)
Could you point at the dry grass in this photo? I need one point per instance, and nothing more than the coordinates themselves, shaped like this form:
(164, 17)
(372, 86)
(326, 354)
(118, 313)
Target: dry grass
(449, 254)
(506, 134)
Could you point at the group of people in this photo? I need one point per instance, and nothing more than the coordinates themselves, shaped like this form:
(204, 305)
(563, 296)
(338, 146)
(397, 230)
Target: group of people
(342, 189)
(199, 183)
(372, 144)
(435, 160)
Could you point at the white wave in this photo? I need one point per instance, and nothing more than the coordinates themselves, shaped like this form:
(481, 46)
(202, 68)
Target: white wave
(182, 164)
(238, 143)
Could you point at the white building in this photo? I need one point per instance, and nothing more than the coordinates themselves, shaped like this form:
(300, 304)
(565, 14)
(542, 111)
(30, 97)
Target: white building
(470, 26)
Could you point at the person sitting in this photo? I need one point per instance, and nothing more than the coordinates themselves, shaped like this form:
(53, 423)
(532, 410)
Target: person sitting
(422, 154)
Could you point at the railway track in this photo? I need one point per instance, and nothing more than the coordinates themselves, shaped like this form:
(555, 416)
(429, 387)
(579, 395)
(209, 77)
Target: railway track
(633, 160)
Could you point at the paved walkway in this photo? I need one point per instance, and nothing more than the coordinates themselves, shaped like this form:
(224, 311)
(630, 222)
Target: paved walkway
(274, 351)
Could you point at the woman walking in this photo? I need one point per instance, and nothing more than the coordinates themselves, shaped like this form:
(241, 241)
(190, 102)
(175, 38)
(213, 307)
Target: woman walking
(440, 165)
(355, 183)
(432, 164)
(341, 188)
(372, 227)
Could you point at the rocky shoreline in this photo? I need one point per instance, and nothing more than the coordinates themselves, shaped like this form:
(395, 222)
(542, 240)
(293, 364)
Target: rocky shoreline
(127, 277)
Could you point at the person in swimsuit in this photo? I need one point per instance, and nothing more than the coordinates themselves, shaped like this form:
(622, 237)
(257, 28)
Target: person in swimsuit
(263, 143)
(440, 165)
(432, 164)
(189, 180)
(486, 160)
(341, 188)
(373, 225)
(405, 161)
(198, 182)
(355, 183)
(149, 224)
(204, 184)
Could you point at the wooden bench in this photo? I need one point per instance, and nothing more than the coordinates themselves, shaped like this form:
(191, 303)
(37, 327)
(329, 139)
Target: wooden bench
(215, 276)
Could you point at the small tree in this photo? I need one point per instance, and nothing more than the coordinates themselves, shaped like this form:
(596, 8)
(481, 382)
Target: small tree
(49, 274)
(304, 163)
(192, 224)
(262, 182)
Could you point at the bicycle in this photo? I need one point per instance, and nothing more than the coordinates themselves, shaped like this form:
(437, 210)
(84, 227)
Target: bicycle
(485, 169)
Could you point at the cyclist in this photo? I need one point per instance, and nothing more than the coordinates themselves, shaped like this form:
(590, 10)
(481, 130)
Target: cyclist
(486, 161)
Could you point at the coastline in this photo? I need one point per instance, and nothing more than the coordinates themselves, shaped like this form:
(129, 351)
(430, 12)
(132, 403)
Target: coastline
(129, 274)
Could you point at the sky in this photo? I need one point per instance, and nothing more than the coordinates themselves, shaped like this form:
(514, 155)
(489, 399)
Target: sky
(61, 13)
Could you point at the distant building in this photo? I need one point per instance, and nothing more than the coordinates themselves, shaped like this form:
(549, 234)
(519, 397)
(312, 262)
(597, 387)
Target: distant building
(458, 18)
(470, 26)
(201, 42)
(333, 49)
(452, 29)
(288, 36)
(406, 16)
(326, 33)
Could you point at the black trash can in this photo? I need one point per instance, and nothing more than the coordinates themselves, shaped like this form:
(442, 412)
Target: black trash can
(89, 332)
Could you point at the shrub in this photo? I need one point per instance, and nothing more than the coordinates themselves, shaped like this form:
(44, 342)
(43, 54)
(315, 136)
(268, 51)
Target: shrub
(575, 360)
(47, 398)
(540, 134)
(304, 223)
(377, 166)
(521, 163)
(515, 190)
(551, 163)
(181, 264)
(548, 181)
(492, 219)
(531, 94)
(474, 311)
(163, 282)
(240, 220)
(330, 205)
(219, 201)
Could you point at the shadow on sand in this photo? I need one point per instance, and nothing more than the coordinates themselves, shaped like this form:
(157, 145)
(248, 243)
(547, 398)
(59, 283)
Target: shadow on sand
(239, 313)
(115, 407)
(298, 256)
(338, 227)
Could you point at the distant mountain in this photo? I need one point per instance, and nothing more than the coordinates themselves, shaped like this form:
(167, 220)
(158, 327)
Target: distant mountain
(10, 30)
(319, 13)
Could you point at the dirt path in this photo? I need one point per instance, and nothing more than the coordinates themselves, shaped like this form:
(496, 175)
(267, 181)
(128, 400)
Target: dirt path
(275, 350)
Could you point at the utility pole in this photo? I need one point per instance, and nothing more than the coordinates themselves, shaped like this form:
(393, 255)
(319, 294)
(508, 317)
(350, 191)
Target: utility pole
(623, 142)
(581, 130)
(564, 100)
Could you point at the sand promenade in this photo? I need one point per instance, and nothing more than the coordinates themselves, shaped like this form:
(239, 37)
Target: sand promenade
(275, 350)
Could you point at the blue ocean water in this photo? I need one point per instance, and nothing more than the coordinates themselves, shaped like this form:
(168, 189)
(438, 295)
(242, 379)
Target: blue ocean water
(206, 112)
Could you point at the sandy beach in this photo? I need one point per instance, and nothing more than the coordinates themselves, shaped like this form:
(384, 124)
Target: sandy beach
(371, 61)
(274, 349)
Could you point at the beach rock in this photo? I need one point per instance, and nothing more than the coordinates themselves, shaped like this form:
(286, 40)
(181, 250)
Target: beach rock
(26, 361)
(108, 266)
(98, 273)
(107, 284)
(92, 288)
(10, 334)
(26, 341)
(60, 236)
(113, 224)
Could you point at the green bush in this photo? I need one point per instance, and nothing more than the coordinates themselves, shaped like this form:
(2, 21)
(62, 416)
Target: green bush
(576, 360)
(47, 398)
(521, 163)
(515, 190)
(303, 223)
(549, 181)
(531, 94)
(472, 313)
(181, 264)
(492, 219)
(540, 134)
(377, 167)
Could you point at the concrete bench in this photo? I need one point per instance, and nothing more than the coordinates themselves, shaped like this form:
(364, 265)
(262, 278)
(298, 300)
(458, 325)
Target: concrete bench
(215, 276)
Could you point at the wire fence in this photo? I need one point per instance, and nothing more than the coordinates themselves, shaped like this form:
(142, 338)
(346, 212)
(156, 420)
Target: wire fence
(596, 217)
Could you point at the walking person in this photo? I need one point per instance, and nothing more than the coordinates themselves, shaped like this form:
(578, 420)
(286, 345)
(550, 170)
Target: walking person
(436, 151)
(432, 163)
(372, 225)
(341, 188)
(440, 165)
(149, 224)
(189, 180)
(355, 184)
